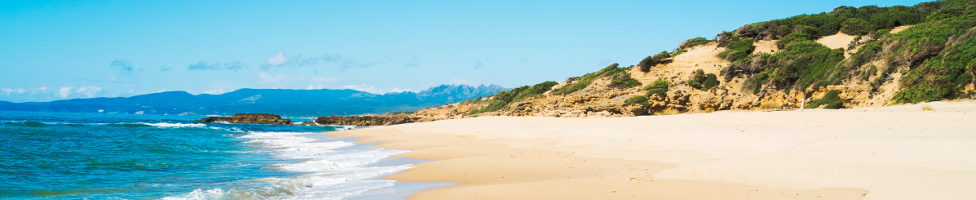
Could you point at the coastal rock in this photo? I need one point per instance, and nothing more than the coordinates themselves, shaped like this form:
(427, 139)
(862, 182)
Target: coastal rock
(248, 118)
(367, 120)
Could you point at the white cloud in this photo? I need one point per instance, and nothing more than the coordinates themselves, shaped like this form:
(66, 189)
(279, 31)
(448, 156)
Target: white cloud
(86, 91)
(316, 87)
(90, 91)
(398, 90)
(277, 59)
(64, 92)
(362, 87)
(217, 91)
(9, 91)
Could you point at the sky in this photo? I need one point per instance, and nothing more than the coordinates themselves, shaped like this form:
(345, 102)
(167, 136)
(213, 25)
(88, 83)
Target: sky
(54, 50)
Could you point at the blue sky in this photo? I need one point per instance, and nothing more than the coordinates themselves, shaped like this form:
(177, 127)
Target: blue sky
(56, 50)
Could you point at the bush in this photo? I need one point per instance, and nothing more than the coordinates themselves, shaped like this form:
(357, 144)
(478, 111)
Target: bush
(864, 55)
(535, 90)
(856, 26)
(693, 42)
(737, 49)
(491, 107)
(861, 20)
(622, 79)
(638, 100)
(755, 83)
(659, 87)
(941, 77)
(830, 99)
(700, 80)
(650, 61)
(503, 98)
(943, 72)
(678, 52)
(793, 37)
(584, 81)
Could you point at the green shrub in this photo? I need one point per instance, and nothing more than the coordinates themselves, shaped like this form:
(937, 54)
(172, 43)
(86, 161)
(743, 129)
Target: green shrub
(710, 81)
(535, 90)
(638, 100)
(856, 26)
(495, 105)
(831, 100)
(793, 37)
(943, 72)
(864, 55)
(584, 81)
(861, 20)
(693, 42)
(755, 83)
(659, 87)
(805, 63)
(503, 98)
(700, 80)
(941, 77)
(678, 52)
(650, 61)
(737, 49)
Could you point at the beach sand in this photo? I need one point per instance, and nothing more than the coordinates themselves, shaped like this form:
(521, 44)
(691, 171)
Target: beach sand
(898, 152)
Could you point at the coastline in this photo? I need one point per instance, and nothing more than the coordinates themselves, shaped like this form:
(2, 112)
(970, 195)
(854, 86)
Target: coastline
(897, 152)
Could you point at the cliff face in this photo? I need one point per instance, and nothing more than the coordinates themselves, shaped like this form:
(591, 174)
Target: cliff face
(248, 118)
(861, 57)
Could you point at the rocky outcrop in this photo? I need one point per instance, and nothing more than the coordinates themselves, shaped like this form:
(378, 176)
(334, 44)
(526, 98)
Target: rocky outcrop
(367, 120)
(248, 118)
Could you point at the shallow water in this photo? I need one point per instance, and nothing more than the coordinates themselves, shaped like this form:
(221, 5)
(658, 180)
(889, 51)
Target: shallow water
(119, 156)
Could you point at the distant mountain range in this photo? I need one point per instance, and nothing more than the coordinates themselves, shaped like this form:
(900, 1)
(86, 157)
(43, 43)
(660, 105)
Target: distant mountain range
(285, 102)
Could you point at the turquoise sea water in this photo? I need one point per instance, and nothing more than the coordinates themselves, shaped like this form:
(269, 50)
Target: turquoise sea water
(118, 156)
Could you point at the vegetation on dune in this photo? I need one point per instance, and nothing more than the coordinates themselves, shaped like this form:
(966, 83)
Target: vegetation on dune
(944, 48)
(700, 80)
(937, 51)
(850, 20)
(830, 100)
(736, 47)
(693, 42)
(659, 87)
(642, 100)
(936, 57)
(942, 76)
(621, 79)
(503, 98)
(803, 63)
(660, 58)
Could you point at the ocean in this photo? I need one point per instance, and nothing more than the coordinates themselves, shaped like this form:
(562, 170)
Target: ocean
(124, 156)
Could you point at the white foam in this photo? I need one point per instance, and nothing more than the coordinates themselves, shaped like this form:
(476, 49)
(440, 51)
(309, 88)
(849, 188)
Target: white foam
(200, 194)
(333, 172)
(174, 125)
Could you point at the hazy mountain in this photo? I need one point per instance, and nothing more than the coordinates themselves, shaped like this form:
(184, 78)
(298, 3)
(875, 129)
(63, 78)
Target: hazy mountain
(277, 101)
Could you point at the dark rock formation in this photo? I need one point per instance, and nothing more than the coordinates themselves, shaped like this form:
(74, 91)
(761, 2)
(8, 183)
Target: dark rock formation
(368, 120)
(248, 118)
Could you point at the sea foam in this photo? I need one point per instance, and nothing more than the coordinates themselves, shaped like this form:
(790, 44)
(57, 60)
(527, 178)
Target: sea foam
(329, 169)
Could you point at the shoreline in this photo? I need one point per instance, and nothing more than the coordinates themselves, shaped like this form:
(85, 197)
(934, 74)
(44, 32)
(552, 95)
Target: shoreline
(896, 152)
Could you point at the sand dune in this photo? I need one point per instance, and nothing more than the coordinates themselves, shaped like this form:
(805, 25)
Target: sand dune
(899, 152)
(836, 41)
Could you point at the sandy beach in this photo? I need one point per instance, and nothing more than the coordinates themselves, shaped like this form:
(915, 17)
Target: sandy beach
(897, 152)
